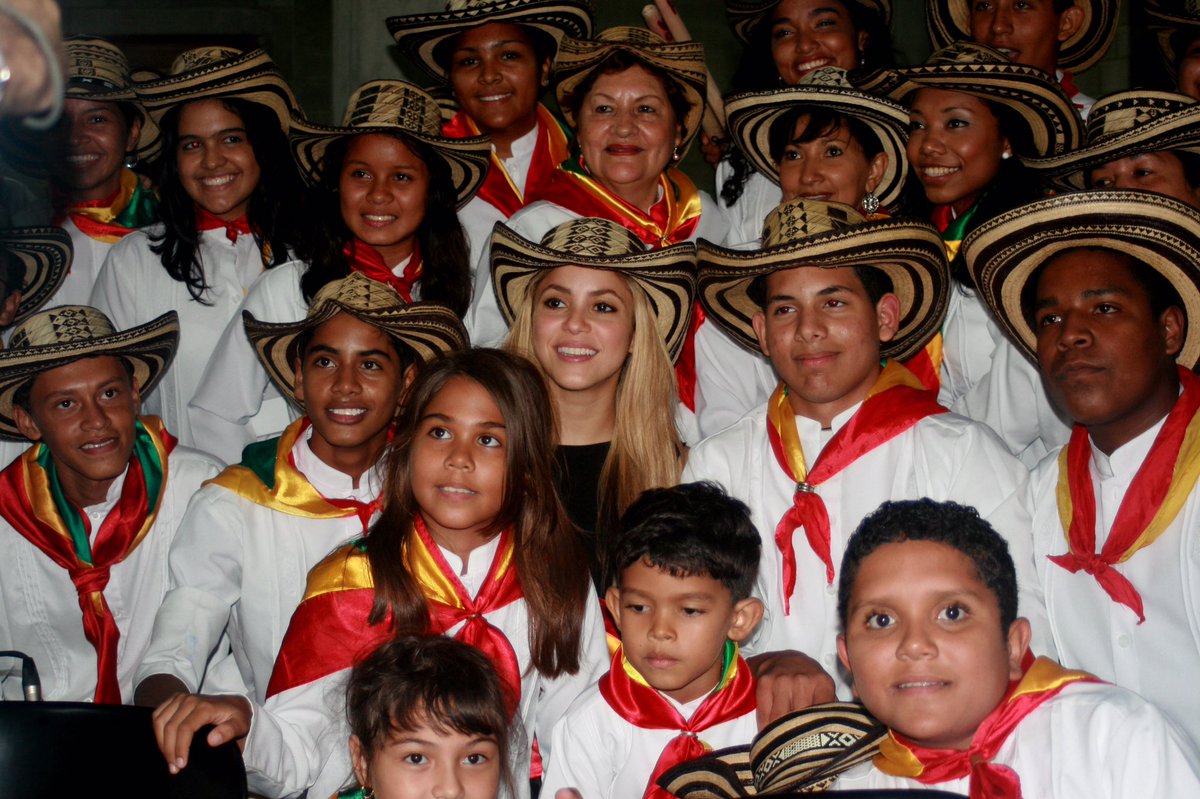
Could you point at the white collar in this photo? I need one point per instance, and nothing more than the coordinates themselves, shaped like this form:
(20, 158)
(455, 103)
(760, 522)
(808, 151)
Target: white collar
(329, 482)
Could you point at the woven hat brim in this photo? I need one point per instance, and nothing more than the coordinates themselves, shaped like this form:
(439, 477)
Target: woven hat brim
(419, 36)
(949, 21)
(1164, 23)
(1179, 130)
(1004, 253)
(752, 115)
(251, 77)
(911, 253)
(1053, 122)
(745, 15)
(148, 350)
(467, 159)
(429, 329)
(666, 275)
(682, 62)
(46, 253)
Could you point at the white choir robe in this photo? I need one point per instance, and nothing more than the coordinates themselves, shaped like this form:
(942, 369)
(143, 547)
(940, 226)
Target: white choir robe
(298, 738)
(1160, 658)
(944, 457)
(39, 607)
(603, 756)
(1091, 741)
(240, 568)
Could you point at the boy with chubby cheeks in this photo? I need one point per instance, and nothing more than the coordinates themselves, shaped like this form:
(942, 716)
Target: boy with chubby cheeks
(1103, 288)
(239, 566)
(928, 607)
(826, 299)
(682, 565)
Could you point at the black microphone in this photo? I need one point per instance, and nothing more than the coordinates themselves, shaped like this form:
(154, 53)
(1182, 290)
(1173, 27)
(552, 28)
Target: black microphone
(31, 684)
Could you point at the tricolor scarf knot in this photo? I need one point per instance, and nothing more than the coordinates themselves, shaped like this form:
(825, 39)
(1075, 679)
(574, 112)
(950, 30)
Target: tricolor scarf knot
(631, 697)
(953, 228)
(896, 402)
(366, 260)
(1154, 498)
(901, 757)
(33, 502)
(109, 220)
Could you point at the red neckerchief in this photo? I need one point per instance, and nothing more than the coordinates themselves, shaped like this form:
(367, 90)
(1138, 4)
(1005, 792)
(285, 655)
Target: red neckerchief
(896, 403)
(551, 149)
(1150, 488)
(367, 261)
(902, 758)
(627, 693)
(30, 501)
(1067, 81)
(233, 228)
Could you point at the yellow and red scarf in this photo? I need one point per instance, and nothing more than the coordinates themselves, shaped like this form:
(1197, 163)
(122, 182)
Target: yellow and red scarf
(896, 402)
(366, 260)
(631, 697)
(113, 218)
(902, 758)
(1155, 497)
(329, 630)
(551, 149)
(32, 501)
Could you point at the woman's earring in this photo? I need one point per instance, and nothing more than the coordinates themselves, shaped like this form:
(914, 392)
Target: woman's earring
(1006, 155)
(675, 155)
(869, 203)
(131, 160)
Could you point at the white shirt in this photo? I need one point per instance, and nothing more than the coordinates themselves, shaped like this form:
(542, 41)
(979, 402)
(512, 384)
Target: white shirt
(1160, 658)
(39, 606)
(945, 457)
(746, 216)
(88, 256)
(241, 568)
(1091, 741)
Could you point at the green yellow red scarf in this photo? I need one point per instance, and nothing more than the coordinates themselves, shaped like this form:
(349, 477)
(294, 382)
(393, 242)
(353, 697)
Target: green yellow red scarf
(111, 219)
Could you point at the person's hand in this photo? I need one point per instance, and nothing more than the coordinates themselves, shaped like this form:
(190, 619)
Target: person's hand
(567, 793)
(177, 719)
(157, 689)
(713, 150)
(789, 681)
(35, 83)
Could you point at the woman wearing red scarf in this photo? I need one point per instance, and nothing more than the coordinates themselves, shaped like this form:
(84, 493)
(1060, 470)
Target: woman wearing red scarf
(387, 187)
(230, 209)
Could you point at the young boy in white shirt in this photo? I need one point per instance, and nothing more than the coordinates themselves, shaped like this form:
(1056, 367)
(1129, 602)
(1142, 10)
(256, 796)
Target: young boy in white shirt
(682, 566)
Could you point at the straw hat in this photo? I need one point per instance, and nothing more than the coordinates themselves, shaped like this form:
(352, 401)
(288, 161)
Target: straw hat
(59, 336)
(429, 329)
(1004, 253)
(1035, 97)
(1168, 18)
(745, 15)
(681, 62)
(394, 106)
(45, 252)
(666, 275)
(1122, 125)
(815, 234)
(752, 115)
(800, 753)
(950, 20)
(421, 37)
(211, 72)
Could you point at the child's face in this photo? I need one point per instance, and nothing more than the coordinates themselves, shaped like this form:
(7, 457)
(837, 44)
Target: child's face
(426, 762)
(351, 381)
(924, 643)
(217, 166)
(822, 334)
(1027, 31)
(459, 461)
(382, 191)
(673, 629)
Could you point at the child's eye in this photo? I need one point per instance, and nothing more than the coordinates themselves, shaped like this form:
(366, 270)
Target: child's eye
(371, 365)
(467, 61)
(879, 621)
(693, 612)
(781, 33)
(490, 441)
(953, 613)
(475, 759)
(189, 145)
(233, 138)
(401, 177)
(634, 607)
(416, 759)
(1046, 320)
(440, 433)
(64, 404)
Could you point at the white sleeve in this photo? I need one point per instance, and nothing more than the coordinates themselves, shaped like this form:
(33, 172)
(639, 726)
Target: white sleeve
(556, 695)
(730, 380)
(586, 757)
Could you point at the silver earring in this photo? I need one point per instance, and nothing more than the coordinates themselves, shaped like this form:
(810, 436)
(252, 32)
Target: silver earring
(131, 160)
(869, 203)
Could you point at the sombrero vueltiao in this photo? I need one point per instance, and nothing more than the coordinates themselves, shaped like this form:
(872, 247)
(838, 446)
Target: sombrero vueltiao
(950, 20)
(1166, 20)
(422, 36)
(816, 234)
(1004, 253)
(46, 253)
(429, 329)
(745, 15)
(802, 752)
(666, 275)
(681, 62)
(220, 72)
(1036, 98)
(58, 336)
(394, 106)
(1123, 125)
(752, 116)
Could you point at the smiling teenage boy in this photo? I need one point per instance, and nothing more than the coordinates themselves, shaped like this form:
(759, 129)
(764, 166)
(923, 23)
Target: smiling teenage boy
(928, 607)
(682, 566)
(250, 536)
(1104, 289)
(828, 297)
